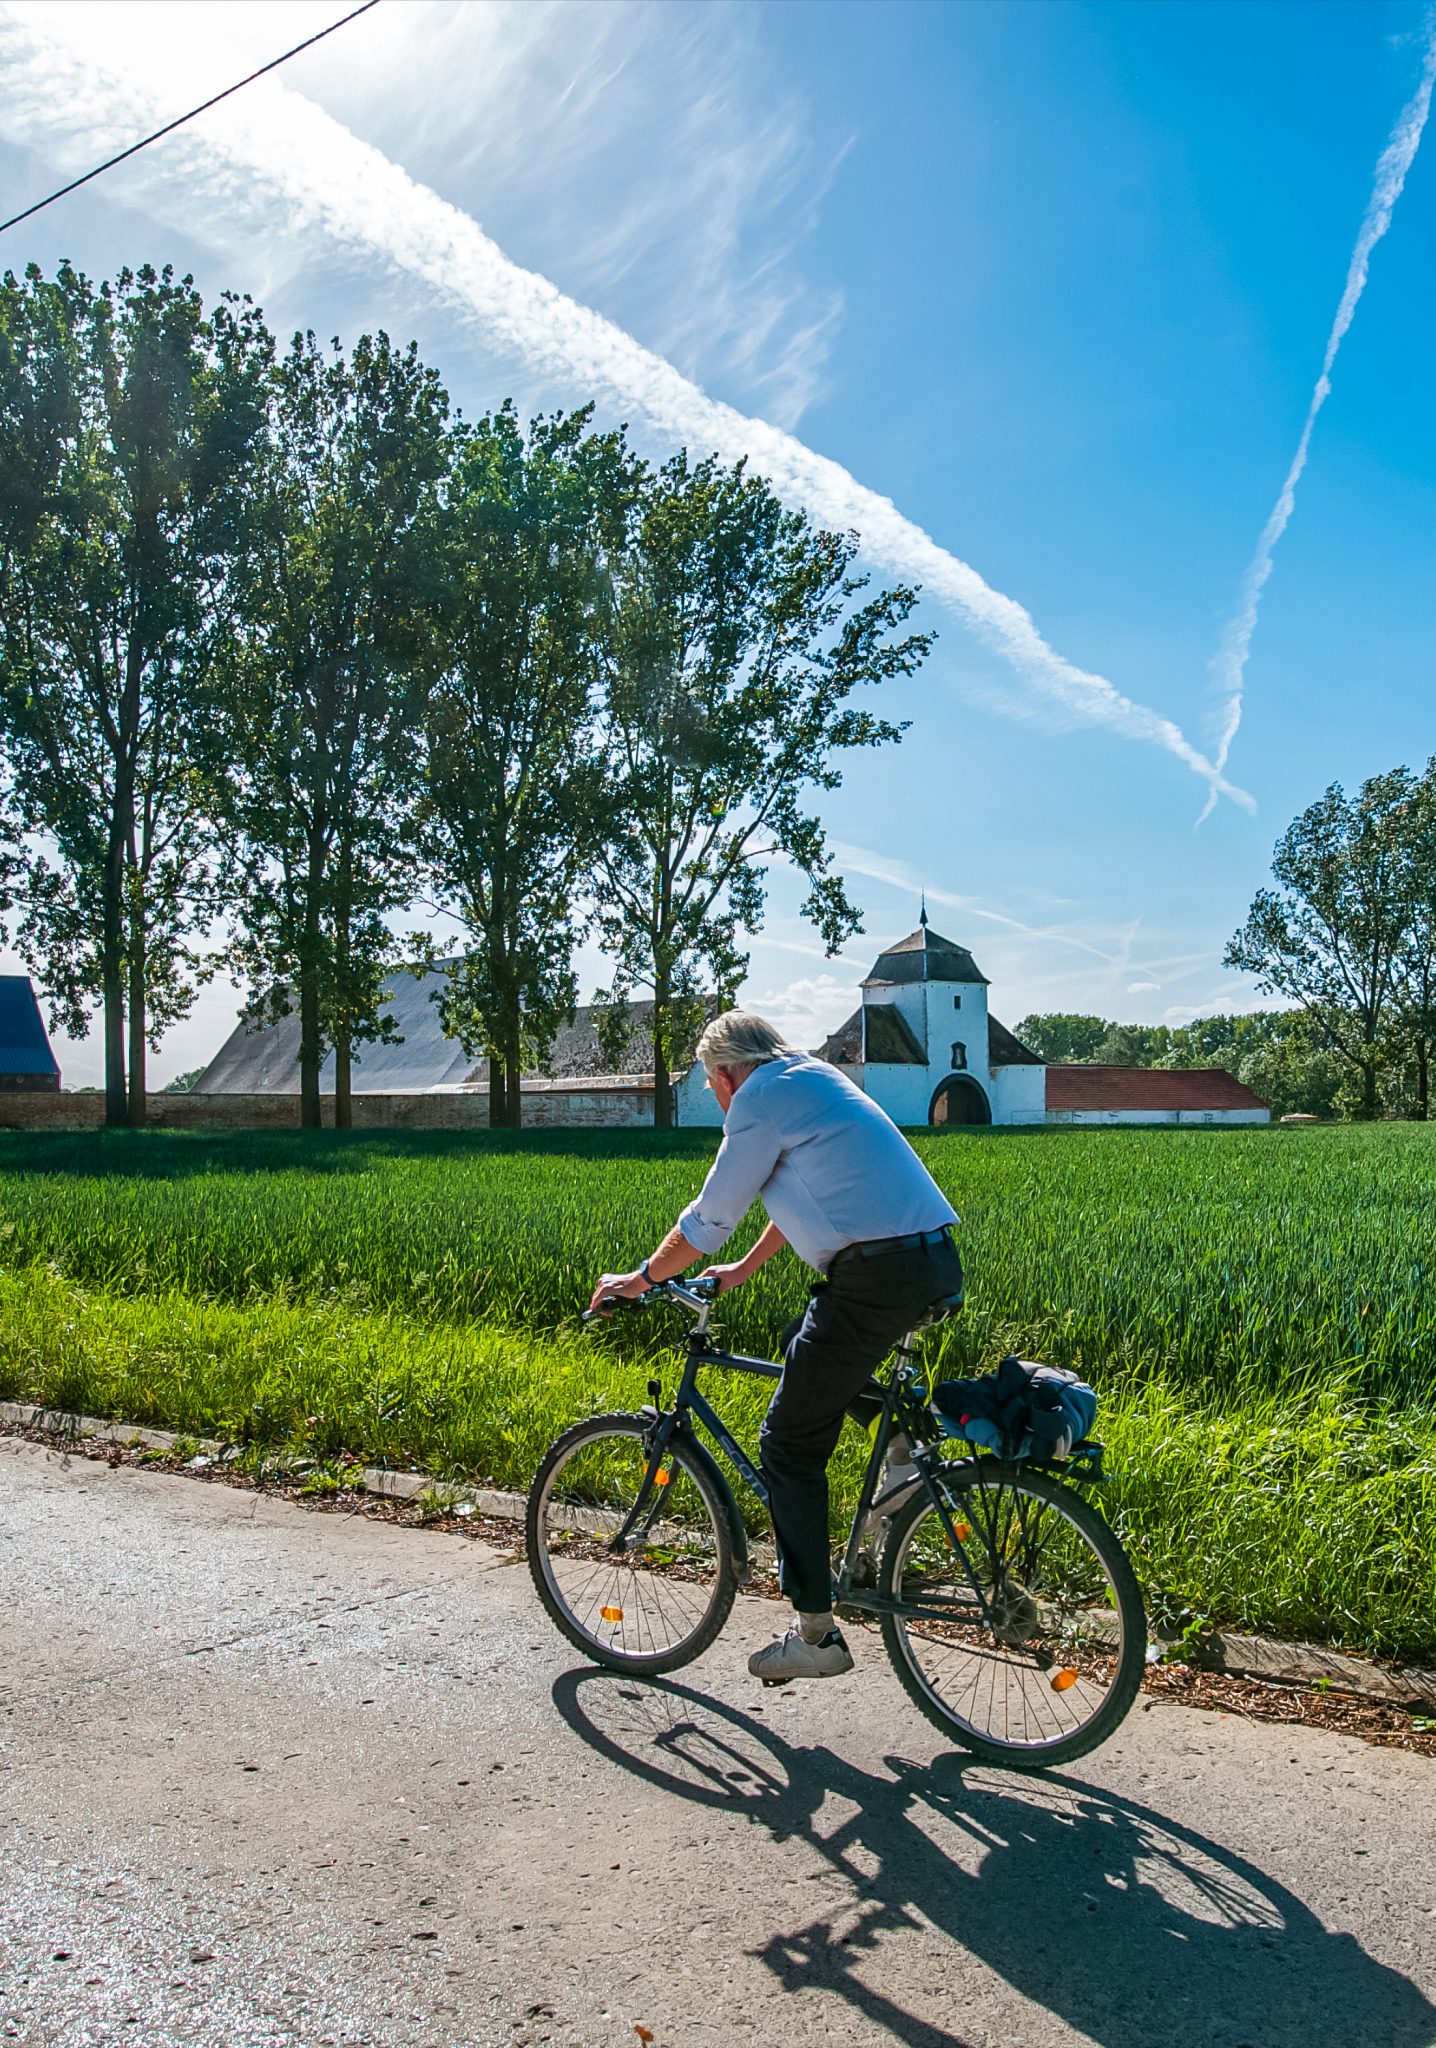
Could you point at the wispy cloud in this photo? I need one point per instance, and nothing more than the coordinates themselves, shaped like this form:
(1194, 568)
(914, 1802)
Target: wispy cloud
(1080, 965)
(287, 167)
(675, 182)
(877, 867)
(1391, 169)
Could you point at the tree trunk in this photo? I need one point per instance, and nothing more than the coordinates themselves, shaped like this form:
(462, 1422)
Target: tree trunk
(116, 1101)
(1369, 1109)
(311, 1051)
(343, 1099)
(1423, 1079)
(343, 1039)
(311, 1031)
(662, 1090)
(112, 973)
(513, 1068)
(138, 1105)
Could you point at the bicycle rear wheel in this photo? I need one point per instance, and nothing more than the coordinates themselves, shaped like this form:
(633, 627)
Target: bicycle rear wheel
(1052, 1666)
(647, 1602)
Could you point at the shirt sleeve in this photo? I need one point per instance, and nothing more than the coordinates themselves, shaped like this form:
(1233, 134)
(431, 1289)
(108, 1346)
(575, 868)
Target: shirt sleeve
(746, 1158)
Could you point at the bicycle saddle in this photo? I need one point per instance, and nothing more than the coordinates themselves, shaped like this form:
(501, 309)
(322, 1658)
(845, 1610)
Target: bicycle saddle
(948, 1305)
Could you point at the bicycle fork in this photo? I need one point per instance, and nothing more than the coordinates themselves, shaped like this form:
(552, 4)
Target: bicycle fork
(646, 1508)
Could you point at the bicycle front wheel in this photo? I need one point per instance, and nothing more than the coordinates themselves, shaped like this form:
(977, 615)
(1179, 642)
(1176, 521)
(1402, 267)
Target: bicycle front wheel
(649, 1600)
(1046, 1662)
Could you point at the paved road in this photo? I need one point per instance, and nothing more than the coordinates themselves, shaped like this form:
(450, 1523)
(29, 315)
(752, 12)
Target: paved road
(270, 1777)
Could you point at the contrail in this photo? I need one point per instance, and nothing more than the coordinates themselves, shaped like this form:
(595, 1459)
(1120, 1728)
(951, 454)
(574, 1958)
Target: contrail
(1395, 161)
(297, 162)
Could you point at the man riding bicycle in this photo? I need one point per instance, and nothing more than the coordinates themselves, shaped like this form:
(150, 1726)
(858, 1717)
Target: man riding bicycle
(843, 1187)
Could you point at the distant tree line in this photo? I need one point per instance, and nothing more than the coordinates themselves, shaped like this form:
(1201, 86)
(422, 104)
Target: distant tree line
(1346, 938)
(1275, 1052)
(288, 646)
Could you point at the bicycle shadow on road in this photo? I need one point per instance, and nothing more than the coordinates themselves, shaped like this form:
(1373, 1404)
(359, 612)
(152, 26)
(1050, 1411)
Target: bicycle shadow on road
(1126, 1925)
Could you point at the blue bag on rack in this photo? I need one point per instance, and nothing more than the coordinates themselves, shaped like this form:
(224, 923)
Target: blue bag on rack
(1020, 1411)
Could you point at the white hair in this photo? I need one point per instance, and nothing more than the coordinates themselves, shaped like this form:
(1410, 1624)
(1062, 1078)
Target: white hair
(739, 1039)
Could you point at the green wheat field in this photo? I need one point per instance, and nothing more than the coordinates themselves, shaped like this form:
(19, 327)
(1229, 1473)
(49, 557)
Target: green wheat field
(1255, 1308)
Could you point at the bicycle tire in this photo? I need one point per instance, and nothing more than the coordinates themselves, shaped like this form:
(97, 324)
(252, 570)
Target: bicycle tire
(917, 1648)
(607, 1605)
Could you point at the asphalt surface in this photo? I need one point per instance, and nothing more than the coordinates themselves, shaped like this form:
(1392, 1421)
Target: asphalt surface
(273, 1777)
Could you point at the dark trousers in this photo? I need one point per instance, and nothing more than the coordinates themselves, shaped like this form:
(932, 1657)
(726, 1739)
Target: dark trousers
(852, 1321)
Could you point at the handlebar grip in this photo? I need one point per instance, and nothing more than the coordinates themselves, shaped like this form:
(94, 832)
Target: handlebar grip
(607, 1307)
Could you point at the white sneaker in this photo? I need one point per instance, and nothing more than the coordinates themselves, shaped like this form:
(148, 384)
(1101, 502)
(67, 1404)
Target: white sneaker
(791, 1656)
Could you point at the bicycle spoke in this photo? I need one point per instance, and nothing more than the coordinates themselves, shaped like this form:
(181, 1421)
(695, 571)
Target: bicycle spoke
(1037, 1668)
(639, 1604)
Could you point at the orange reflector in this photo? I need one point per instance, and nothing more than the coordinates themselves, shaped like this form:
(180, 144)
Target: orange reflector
(1062, 1679)
(662, 1478)
(962, 1530)
(616, 1614)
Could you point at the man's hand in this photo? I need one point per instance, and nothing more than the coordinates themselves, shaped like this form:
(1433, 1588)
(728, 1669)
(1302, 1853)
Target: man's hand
(728, 1277)
(739, 1270)
(629, 1285)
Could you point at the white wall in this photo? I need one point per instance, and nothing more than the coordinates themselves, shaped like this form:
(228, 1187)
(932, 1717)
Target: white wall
(697, 1104)
(904, 1092)
(957, 1012)
(1158, 1116)
(1018, 1095)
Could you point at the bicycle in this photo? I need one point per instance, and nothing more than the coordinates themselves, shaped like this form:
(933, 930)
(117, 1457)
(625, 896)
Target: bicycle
(1007, 1606)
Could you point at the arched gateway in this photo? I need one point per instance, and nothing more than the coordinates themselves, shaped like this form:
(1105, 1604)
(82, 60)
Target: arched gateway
(959, 1101)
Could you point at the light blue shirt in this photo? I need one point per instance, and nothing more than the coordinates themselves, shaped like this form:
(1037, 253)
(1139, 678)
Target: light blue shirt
(832, 1169)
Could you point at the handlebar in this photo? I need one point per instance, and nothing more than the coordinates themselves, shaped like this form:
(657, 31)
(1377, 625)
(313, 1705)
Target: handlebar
(698, 1295)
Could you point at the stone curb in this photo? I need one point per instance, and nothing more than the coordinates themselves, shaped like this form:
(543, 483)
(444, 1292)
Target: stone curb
(1242, 1656)
(58, 1422)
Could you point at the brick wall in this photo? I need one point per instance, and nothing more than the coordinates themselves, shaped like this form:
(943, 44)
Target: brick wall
(51, 1112)
(624, 1108)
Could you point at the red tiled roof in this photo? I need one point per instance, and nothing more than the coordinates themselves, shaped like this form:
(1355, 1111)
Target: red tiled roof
(1147, 1088)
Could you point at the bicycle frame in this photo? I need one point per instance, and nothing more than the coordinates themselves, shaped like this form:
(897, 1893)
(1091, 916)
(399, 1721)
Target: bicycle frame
(689, 1404)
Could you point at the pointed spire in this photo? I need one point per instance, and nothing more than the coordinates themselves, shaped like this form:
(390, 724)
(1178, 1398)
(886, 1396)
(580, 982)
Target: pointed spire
(922, 916)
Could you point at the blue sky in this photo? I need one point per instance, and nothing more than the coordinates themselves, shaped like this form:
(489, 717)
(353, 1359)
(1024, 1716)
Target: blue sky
(1054, 279)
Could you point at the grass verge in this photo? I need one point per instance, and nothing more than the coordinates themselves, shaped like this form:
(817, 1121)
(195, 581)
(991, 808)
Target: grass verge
(1315, 1519)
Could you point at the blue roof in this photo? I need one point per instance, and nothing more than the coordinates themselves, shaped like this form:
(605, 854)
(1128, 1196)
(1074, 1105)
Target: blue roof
(24, 1044)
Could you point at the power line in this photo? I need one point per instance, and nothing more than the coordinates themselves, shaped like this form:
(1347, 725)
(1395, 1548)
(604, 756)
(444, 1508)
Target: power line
(170, 126)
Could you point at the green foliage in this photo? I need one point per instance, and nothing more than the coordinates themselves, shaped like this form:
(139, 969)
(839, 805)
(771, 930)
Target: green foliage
(1293, 1072)
(1409, 1071)
(1134, 1045)
(128, 420)
(1282, 1055)
(734, 648)
(1064, 1039)
(512, 803)
(311, 729)
(1330, 936)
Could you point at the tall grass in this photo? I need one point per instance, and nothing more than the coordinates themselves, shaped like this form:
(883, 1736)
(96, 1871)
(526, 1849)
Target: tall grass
(1255, 1307)
(1312, 1522)
(1245, 1257)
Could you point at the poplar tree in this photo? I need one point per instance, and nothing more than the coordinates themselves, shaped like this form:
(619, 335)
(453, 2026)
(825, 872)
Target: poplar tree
(312, 735)
(127, 422)
(512, 808)
(738, 635)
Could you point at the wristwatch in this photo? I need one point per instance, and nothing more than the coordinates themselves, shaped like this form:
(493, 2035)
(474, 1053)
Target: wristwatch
(645, 1275)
